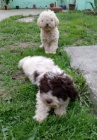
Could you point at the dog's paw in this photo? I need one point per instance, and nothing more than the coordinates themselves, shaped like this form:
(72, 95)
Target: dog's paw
(53, 52)
(59, 112)
(47, 52)
(38, 118)
(41, 46)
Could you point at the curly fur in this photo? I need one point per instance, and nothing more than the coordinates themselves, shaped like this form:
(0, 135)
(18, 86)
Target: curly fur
(56, 88)
(48, 22)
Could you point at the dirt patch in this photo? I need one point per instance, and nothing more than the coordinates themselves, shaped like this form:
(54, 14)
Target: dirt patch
(20, 45)
(19, 76)
(79, 40)
(25, 44)
(3, 92)
(1, 74)
(90, 12)
(2, 49)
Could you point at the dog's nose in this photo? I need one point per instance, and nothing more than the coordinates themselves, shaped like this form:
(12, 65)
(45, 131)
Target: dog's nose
(49, 101)
(47, 24)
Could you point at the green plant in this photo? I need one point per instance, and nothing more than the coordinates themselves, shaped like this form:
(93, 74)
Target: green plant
(7, 1)
(61, 1)
(74, 2)
(94, 6)
(51, 4)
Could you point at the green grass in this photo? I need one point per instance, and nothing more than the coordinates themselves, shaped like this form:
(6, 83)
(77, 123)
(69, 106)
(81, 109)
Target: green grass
(18, 95)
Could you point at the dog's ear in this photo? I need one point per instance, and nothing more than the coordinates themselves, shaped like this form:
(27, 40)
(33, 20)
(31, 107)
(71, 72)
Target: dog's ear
(68, 86)
(56, 21)
(55, 18)
(44, 86)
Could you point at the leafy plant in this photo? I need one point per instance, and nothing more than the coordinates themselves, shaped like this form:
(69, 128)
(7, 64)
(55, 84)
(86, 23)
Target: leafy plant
(94, 6)
(74, 2)
(61, 1)
(27, 4)
(7, 1)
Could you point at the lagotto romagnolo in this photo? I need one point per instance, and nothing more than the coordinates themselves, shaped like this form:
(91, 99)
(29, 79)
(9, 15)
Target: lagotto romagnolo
(55, 87)
(49, 34)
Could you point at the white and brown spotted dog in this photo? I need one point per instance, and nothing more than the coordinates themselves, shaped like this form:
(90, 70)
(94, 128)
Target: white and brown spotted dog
(56, 88)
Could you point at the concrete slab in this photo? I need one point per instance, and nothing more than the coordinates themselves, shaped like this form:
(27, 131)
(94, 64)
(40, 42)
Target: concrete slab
(12, 12)
(27, 19)
(84, 58)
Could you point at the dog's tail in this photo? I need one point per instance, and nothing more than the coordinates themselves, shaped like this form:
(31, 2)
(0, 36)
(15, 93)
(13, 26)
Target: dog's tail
(22, 61)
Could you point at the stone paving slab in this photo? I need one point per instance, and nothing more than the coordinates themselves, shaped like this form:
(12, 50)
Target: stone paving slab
(12, 12)
(84, 58)
(27, 19)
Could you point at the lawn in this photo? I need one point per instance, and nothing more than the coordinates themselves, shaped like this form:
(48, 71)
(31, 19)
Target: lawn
(18, 95)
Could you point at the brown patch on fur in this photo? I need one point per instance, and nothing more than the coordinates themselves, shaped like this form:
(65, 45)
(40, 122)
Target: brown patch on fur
(44, 85)
(61, 87)
(36, 74)
(64, 88)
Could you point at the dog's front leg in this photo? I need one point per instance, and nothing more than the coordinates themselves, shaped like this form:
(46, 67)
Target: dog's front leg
(46, 46)
(61, 110)
(41, 112)
(53, 46)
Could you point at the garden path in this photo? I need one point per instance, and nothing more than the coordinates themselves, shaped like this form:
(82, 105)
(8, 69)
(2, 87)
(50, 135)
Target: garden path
(12, 12)
(84, 59)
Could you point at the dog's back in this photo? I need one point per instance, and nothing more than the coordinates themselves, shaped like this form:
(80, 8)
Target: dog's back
(22, 61)
(36, 63)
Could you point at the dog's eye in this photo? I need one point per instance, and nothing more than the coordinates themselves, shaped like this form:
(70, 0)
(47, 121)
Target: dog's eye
(51, 19)
(44, 88)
